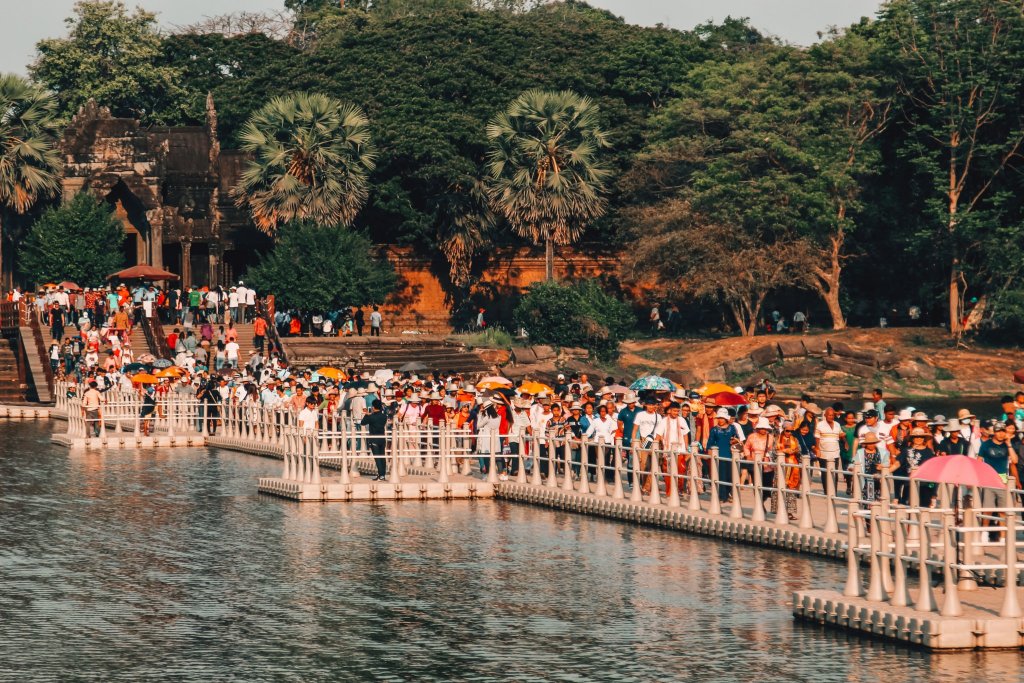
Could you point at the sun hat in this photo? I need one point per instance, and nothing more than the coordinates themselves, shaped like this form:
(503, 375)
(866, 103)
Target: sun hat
(434, 396)
(755, 410)
(965, 414)
(905, 415)
(919, 416)
(870, 437)
(772, 411)
(918, 431)
(722, 413)
(629, 398)
(762, 423)
(952, 425)
(575, 406)
(813, 409)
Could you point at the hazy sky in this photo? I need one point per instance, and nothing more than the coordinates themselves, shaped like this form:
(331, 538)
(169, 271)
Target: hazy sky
(797, 21)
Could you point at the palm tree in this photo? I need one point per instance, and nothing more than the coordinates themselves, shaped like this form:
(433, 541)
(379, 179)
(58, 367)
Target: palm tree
(545, 177)
(29, 161)
(311, 158)
(466, 223)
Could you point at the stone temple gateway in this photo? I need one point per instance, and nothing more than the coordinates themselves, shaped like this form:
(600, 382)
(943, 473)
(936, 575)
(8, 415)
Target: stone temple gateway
(172, 188)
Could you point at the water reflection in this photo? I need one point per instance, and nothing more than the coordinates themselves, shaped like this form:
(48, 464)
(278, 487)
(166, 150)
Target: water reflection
(145, 565)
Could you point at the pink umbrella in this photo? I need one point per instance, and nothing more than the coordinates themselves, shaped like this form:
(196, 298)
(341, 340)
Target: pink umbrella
(959, 469)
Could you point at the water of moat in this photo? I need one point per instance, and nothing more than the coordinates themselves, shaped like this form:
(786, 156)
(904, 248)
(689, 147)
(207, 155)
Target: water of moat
(166, 565)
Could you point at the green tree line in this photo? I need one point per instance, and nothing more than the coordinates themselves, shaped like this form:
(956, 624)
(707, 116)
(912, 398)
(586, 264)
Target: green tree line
(879, 167)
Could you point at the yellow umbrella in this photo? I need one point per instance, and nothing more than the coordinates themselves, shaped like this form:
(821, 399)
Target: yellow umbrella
(144, 378)
(172, 371)
(535, 388)
(714, 388)
(331, 373)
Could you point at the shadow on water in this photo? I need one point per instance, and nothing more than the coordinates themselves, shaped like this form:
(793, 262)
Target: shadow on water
(145, 565)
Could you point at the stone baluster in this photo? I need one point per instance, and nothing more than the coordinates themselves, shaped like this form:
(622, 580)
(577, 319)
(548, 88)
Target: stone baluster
(951, 606)
(566, 448)
(900, 594)
(758, 510)
(925, 595)
(1011, 601)
(673, 481)
(736, 509)
(966, 581)
(535, 450)
(876, 591)
(601, 474)
(654, 498)
(853, 585)
(492, 463)
(716, 503)
(617, 492)
(552, 481)
(806, 515)
(636, 493)
(314, 455)
(693, 465)
(781, 513)
(831, 520)
(584, 486)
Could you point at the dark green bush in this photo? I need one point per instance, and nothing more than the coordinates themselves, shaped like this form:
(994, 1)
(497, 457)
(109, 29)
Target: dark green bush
(580, 314)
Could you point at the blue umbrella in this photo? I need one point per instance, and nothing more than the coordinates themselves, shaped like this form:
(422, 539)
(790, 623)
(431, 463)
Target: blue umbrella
(652, 383)
(162, 363)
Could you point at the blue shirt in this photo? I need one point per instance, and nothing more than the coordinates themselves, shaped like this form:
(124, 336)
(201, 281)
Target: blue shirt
(626, 417)
(996, 456)
(721, 438)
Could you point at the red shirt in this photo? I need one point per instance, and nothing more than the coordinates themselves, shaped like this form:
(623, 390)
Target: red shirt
(434, 412)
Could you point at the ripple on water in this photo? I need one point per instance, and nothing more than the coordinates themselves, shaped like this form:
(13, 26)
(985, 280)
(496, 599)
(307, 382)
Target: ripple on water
(143, 565)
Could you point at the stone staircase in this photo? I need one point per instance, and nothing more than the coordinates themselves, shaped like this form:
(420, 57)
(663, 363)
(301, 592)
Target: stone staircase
(374, 353)
(11, 388)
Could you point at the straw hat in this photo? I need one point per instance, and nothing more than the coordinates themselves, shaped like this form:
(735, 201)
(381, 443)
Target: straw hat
(965, 414)
(920, 416)
(870, 437)
(952, 425)
(630, 398)
(905, 415)
(772, 411)
(434, 396)
(813, 409)
(918, 431)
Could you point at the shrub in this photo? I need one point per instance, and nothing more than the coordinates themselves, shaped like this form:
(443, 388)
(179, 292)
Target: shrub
(580, 314)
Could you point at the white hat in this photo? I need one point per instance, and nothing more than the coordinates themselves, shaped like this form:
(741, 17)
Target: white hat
(723, 413)
(630, 397)
(738, 390)
(953, 425)
(762, 423)
(869, 405)
(905, 414)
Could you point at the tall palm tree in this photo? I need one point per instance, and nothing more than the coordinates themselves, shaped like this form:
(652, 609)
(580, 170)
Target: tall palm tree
(545, 176)
(29, 161)
(466, 223)
(311, 159)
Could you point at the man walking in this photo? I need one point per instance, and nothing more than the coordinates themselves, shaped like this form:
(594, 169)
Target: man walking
(375, 322)
(376, 426)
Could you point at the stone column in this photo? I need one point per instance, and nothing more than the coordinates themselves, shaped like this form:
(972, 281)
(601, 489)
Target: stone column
(186, 264)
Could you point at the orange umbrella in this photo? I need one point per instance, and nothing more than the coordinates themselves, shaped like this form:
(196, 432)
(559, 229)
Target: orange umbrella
(172, 371)
(493, 382)
(714, 388)
(331, 373)
(144, 378)
(535, 388)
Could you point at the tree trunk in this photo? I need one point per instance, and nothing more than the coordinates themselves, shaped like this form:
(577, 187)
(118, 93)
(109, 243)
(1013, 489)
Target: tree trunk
(954, 298)
(549, 259)
(954, 270)
(827, 282)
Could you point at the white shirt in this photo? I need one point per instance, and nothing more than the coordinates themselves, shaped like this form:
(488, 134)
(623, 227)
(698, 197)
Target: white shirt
(250, 296)
(602, 430)
(308, 418)
(231, 349)
(540, 424)
(233, 300)
(673, 433)
(646, 424)
(828, 436)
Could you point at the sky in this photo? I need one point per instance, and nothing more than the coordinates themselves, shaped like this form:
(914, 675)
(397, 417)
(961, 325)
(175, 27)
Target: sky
(795, 21)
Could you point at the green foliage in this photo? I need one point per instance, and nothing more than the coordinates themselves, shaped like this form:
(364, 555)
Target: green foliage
(112, 56)
(79, 241)
(545, 175)
(310, 159)
(491, 338)
(322, 268)
(580, 314)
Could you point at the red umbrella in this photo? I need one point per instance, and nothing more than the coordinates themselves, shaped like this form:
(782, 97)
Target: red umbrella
(959, 469)
(1018, 376)
(68, 284)
(727, 398)
(142, 272)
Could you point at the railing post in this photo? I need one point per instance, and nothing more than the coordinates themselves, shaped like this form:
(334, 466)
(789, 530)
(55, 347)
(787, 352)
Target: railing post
(966, 580)
(315, 457)
(673, 481)
(693, 465)
(1011, 601)
(567, 465)
(757, 513)
(736, 511)
(901, 594)
(806, 516)
(492, 463)
(601, 471)
(925, 596)
(636, 493)
(951, 606)
(781, 512)
(716, 503)
(853, 587)
(535, 450)
(584, 486)
(655, 496)
(876, 591)
(520, 459)
(831, 521)
(617, 492)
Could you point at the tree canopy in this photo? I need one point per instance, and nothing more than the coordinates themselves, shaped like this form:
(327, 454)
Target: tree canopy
(79, 241)
(320, 268)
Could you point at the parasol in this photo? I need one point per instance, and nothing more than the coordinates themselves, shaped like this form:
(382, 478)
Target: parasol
(616, 388)
(652, 383)
(331, 373)
(413, 366)
(714, 388)
(142, 272)
(134, 367)
(727, 398)
(535, 388)
(144, 378)
(68, 284)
